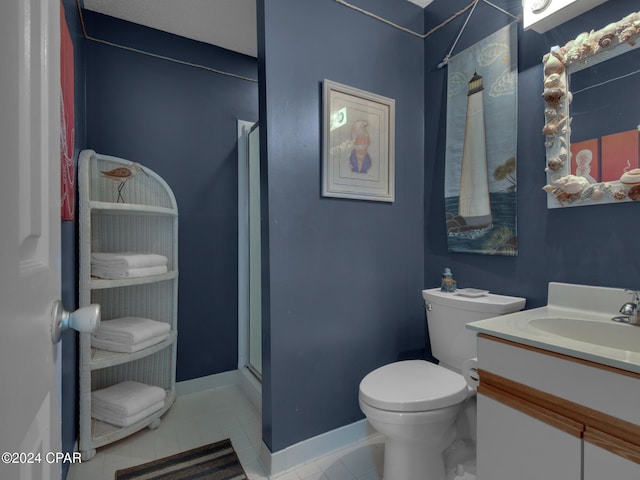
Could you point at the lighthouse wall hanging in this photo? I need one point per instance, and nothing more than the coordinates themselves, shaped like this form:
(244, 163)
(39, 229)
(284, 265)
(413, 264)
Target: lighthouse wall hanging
(358, 144)
(480, 169)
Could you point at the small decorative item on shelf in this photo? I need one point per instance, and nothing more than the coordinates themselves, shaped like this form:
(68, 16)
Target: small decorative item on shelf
(122, 175)
(630, 179)
(448, 283)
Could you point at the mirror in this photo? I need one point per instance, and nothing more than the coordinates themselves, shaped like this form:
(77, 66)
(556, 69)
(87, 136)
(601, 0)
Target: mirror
(593, 148)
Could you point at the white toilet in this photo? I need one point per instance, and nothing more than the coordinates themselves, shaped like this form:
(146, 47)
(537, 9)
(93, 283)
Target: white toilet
(421, 408)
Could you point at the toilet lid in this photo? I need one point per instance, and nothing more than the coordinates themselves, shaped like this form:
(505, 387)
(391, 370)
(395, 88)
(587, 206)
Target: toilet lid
(412, 386)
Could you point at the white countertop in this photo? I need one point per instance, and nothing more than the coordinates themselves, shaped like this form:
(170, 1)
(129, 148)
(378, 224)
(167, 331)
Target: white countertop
(516, 327)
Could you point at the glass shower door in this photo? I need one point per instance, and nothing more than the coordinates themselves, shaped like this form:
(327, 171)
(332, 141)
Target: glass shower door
(255, 259)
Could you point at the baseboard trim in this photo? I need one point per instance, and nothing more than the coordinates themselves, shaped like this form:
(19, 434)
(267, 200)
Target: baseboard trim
(250, 386)
(313, 448)
(201, 384)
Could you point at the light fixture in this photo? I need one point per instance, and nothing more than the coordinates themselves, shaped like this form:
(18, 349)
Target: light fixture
(543, 15)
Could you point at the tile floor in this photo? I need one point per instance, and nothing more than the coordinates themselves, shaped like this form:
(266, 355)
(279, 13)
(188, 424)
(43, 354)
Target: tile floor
(205, 417)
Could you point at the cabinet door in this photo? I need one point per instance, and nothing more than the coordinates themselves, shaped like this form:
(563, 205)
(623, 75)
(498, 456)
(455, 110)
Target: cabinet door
(514, 445)
(600, 463)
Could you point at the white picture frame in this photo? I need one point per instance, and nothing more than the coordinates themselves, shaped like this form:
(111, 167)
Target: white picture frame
(358, 144)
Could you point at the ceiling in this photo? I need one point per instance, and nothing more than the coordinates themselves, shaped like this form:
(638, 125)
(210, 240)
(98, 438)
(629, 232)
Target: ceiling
(229, 24)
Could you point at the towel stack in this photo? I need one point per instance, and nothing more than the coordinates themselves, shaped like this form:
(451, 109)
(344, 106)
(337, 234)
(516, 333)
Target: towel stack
(129, 334)
(126, 403)
(127, 265)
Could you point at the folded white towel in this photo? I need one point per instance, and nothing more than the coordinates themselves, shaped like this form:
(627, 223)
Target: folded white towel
(127, 260)
(130, 330)
(117, 273)
(126, 347)
(127, 398)
(120, 421)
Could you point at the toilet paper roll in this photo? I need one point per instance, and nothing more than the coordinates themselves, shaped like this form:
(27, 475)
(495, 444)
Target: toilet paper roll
(470, 372)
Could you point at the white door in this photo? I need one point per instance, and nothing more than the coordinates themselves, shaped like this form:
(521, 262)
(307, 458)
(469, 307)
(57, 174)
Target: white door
(29, 237)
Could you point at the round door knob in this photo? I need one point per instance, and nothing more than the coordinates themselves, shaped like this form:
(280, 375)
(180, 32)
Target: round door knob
(85, 319)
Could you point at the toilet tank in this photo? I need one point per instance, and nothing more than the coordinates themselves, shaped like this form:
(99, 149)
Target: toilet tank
(447, 315)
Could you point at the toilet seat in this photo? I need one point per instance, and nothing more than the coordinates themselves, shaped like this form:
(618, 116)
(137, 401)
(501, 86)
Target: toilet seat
(412, 386)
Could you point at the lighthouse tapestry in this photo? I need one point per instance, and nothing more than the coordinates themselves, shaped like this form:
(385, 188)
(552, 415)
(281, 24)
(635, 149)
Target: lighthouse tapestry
(480, 170)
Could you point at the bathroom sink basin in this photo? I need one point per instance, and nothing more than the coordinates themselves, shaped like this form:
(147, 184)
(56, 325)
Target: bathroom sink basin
(612, 335)
(576, 322)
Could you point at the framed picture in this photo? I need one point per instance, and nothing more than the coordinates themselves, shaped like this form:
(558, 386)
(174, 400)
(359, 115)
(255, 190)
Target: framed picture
(358, 144)
(67, 133)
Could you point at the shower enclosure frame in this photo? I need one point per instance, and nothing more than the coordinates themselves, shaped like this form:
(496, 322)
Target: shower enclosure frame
(249, 254)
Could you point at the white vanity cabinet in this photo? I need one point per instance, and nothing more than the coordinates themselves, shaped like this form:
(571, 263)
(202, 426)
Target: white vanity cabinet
(600, 464)
(146, 222)
(546, 415)
(515, 445)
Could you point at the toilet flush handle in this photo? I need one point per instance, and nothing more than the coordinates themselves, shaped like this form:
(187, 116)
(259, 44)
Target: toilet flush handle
(429, 307)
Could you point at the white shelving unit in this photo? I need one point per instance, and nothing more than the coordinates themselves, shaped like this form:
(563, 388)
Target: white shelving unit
(146, 223)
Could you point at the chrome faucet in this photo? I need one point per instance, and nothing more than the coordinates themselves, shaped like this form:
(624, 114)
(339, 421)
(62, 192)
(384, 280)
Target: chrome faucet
(630, 310)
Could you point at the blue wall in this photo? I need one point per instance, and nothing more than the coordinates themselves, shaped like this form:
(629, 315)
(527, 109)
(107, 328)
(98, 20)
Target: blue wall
(180, 121)
(593, 245)
(69, 229)
(343, 280)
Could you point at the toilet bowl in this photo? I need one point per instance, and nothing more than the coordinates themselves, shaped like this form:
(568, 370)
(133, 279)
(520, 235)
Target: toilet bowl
(426, 412)
(414, 405)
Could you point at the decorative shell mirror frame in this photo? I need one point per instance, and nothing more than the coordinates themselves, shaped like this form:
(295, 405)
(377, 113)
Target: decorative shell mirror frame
(599, 167)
